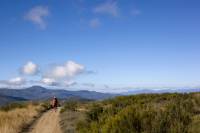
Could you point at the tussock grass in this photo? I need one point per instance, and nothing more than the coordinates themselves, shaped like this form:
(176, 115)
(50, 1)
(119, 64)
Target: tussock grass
(12, 106)
(14, 117)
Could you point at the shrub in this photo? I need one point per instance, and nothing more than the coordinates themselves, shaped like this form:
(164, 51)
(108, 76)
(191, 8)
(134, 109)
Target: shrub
(95, 112)
(145, 113)
(69, 105)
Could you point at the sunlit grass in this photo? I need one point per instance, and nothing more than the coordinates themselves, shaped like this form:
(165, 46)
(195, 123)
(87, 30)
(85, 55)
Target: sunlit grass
(12, 120)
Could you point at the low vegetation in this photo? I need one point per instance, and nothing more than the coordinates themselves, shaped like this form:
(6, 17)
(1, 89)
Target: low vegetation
(14, 117)
(69, 105)
(71, 113)
(145, 113)
(69, 119)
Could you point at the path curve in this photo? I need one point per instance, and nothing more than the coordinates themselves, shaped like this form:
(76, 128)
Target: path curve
(47, 123)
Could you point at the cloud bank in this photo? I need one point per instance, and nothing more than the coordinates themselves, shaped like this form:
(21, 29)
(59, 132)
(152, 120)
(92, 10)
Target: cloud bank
(17, 81)
(68, 70)
(59, 75)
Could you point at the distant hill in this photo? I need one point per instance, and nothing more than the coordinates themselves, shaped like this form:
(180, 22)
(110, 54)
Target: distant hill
(9, 99)
(149, 91)
(41, 93)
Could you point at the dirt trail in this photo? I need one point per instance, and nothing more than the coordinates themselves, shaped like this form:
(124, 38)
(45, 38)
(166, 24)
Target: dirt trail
(47, 123)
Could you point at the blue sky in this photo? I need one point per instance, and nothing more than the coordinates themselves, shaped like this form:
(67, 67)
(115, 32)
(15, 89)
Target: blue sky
(103, 45)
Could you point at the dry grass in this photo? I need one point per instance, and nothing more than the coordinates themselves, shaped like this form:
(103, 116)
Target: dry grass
(69, 120)
(14, 120)
(195, 125)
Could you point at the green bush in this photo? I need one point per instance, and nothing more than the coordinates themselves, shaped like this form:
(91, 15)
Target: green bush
(145, 113)
(69, 105)
(95, 112)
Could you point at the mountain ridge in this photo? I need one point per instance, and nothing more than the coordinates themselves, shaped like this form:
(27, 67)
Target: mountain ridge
(148, 91)
(9, 99)
(42, 93)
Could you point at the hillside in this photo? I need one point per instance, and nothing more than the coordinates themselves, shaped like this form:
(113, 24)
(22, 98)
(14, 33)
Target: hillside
(144, 113)
(9, 99)
(17, 116)
(160, 90)
(41, 93)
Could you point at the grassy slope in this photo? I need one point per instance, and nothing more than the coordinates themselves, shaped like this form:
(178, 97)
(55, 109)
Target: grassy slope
(145, 113)
(14, 117)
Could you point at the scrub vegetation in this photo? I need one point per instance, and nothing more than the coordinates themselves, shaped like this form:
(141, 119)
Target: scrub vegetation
(144, 113)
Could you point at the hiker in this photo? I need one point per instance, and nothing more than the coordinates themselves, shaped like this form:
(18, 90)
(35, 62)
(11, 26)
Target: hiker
(54, 103)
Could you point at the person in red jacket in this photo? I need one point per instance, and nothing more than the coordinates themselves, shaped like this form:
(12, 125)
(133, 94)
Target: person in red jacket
(54, 103)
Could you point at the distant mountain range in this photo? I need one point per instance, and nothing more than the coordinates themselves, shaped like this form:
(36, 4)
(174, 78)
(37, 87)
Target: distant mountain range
(40, 93)
(8, 99)
(146, 91)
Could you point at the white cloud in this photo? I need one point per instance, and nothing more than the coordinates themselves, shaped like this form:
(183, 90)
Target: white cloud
(58, 83)
(88, 84)
(17, 81)
(94, 23)
(62, 75)
(37, 14)
(30, 68)
(68, 70)
(68, 83)
(48, 81)
(109, 7)
(58, 75)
